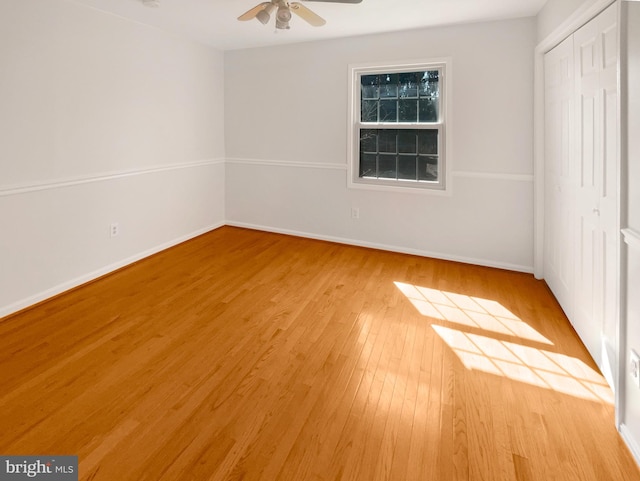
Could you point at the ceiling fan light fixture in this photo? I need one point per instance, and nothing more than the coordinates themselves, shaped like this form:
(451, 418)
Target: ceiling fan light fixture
(284, 14)
(285, 10)
(264, 15)
(282, 17)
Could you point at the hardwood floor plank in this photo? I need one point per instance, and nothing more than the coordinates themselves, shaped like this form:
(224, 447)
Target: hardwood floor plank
(411, 375)
(244, 355)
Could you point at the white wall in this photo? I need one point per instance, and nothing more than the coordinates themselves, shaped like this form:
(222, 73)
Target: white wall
(286, 117)
(631, 407)
(555, 12)
(102, 120)
(559, 13)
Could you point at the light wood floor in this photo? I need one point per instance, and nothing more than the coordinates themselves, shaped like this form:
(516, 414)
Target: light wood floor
(243, 355)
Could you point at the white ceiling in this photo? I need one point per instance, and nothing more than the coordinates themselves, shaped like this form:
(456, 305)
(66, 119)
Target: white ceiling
(214, 21)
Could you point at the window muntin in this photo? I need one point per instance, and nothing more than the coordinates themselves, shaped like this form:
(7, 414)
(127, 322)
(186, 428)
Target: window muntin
(398, 129)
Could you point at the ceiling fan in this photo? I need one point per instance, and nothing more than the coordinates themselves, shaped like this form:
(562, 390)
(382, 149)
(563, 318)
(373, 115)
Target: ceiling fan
(283, 8)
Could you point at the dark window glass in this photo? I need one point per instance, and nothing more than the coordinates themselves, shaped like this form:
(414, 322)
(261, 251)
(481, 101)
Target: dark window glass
(400, 97)
(409, 84)
(369, 141)
(388, 111)
(369, 111)
(406, 154)
(387, 141)
(388, 85)
(369, 86)
(408, 110)
(387, 168)
(428, 142)
(428, 168)
(368, 165)
(407, 142)
(430, 84)
(428, 110)
(407, 165)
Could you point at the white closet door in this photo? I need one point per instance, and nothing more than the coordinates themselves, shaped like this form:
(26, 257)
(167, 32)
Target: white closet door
(609, 179)
(560, 174)
(596, 251)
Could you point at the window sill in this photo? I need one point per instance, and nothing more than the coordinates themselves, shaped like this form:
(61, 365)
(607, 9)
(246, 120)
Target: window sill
(408, 188)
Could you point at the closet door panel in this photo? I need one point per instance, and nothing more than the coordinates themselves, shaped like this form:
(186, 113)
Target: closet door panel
(559, 174)
(609, 191)
(587, 293)
(595, 317)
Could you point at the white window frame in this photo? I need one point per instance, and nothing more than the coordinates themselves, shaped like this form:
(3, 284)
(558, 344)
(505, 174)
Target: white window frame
(443, 125)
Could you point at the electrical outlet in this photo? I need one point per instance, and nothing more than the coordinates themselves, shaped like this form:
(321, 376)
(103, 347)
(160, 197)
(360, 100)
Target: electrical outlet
(635, 368)
(114, 229)
(355, 213)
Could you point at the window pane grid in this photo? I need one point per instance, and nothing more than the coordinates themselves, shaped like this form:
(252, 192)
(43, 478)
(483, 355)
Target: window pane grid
(399, 154)
(400, 97)
(399, 126)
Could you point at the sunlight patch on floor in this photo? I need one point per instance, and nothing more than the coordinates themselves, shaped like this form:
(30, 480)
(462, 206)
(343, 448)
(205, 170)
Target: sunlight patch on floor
(512, 360)
(469, 311)
(540, 368)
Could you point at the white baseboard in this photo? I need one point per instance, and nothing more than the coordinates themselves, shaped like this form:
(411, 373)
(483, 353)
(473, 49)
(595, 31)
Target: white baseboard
(78, 281)
(631, 442)
(385, 247)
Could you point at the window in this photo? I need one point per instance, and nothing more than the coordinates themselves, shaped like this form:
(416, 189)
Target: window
(398, 135)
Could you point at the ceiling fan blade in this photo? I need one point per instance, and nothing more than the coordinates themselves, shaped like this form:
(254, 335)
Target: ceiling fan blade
(307, 15)
(335, 1)
(251, 14)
